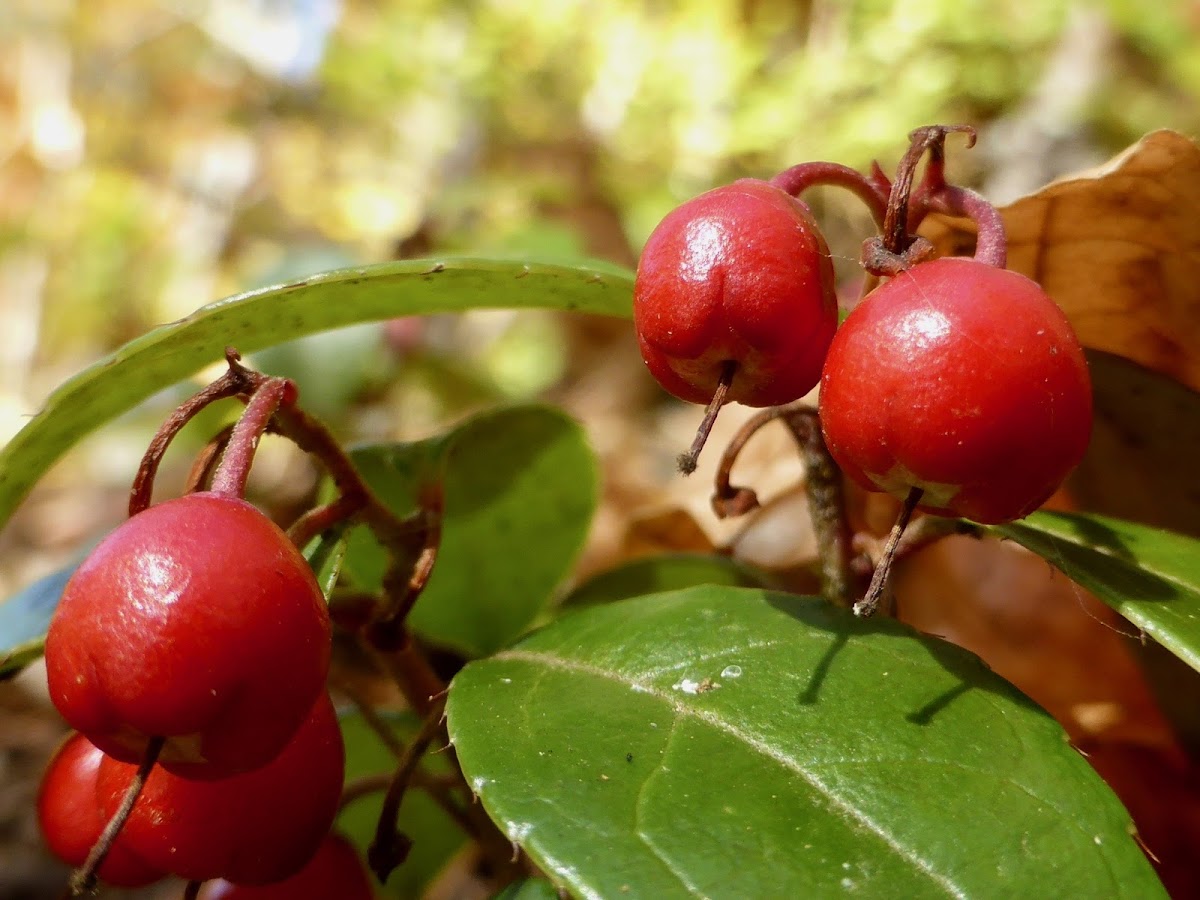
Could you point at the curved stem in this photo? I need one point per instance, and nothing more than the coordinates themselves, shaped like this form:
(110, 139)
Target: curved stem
(236, 380)
(991, 246)
(206, 460)
(825, 496)
(867, 188)
(401, 587)
(84, 878)
(728, 500)
(234, 468)
(322, 518)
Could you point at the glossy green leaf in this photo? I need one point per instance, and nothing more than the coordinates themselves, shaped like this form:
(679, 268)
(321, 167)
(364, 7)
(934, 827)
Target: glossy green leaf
(271, 315)
(1150, 576)
(666, 572)
(436, 837)
(519, 488)
(726, 742)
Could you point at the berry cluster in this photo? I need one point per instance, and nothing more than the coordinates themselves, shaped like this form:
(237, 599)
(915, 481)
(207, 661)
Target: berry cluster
(190, 652)
(956, 385)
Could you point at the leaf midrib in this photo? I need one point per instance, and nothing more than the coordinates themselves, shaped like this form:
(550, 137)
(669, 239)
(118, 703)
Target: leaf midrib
(836, 802)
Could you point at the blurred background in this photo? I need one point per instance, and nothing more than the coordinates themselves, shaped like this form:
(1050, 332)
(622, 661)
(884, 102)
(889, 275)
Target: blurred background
(156, 156)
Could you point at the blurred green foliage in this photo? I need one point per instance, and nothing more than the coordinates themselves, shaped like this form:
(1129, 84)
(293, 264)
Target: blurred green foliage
(157, 156)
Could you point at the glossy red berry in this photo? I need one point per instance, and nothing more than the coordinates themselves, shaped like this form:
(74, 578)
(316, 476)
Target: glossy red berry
(335, 871)
(71, 821)
(253, 828)
(963, 380)
(196, 620)
(740, 274)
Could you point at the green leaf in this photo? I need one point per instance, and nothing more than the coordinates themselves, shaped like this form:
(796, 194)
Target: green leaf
(325, 554)
(436, 837)
(739, 743)
(24, 618)
(1150, 576)
(667, 572)
(529, 889)
(519, 488)
(269, 316)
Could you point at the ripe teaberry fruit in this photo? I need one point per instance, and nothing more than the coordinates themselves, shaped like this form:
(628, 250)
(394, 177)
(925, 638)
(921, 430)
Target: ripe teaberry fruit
(196, 620)
(254, 828)
(70, 818)
(739, 275)
(335, 871)
(963, 380)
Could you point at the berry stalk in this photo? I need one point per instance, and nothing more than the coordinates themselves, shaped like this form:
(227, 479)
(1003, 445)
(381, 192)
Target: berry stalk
(234, 468)
(868, 188)
(687, 462)
(84, 878)
(389, 848)
(236, 380)
(870, 602)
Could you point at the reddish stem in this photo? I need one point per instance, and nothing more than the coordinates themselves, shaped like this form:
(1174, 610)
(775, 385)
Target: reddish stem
(991, 245)
(897, 248)
(237, 380)
(234, 468)
(322, 518)
(935, 194)
(867, 188)
(730, 500)
(403, 586)
(206, 460)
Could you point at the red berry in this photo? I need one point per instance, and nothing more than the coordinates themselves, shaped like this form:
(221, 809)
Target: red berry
(196, 620)
(253, 828)
(336, 871)
(963, 380)
(738, 274)
(71, 821)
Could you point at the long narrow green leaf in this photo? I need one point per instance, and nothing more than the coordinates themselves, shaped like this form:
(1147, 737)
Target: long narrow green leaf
(264, 317)
(1150, 576)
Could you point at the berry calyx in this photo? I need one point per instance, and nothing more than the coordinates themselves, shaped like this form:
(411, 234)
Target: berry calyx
(71, 821)
(335, 871)
(961, 380)
(197, 621)
(254, 828)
